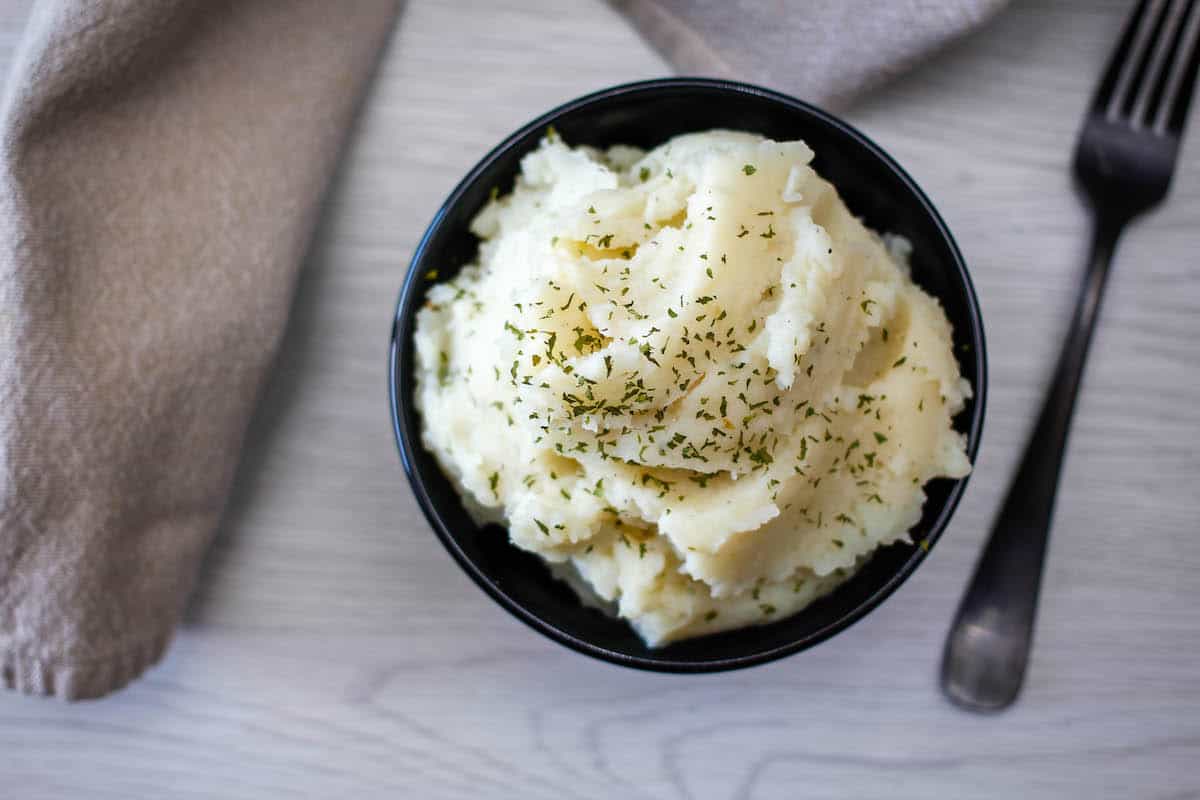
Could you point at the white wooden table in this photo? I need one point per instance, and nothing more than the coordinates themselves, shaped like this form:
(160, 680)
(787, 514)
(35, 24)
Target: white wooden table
(335, 650)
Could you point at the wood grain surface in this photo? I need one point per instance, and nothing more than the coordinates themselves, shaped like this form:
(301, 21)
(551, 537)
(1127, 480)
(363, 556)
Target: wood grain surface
(333, 648)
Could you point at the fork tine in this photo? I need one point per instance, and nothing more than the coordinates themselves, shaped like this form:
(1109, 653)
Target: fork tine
(1108, 84)
(1148, 91)
(1172, 113)
(1127, 60)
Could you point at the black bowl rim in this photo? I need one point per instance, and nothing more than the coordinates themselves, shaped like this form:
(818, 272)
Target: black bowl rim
(408, 440)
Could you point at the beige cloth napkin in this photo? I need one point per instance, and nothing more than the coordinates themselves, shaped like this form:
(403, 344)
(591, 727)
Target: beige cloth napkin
(824, 51)
(161, 168)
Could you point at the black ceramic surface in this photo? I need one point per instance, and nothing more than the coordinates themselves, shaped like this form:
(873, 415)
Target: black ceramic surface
(647, 114)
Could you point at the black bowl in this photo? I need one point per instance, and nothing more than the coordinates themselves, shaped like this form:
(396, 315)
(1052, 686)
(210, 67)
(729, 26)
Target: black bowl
(647, 114)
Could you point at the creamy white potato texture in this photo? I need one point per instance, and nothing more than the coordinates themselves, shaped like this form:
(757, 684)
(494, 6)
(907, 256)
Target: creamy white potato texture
(690, 379)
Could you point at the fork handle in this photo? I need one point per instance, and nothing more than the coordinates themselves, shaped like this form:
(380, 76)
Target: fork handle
(988, 646)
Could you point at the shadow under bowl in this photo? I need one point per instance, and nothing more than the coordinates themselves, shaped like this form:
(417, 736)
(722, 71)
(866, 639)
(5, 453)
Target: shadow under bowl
(647, 114)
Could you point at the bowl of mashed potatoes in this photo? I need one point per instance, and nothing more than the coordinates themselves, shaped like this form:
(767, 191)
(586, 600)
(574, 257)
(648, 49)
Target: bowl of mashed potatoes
(688, 375)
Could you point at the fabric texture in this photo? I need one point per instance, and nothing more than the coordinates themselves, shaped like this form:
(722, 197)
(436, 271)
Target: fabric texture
(824, 51)
(161, 168)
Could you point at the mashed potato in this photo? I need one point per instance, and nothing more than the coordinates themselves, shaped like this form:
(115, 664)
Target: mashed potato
(689, 379)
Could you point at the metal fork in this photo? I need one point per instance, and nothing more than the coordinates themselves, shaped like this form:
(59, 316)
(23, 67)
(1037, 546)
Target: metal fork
(1123, 163)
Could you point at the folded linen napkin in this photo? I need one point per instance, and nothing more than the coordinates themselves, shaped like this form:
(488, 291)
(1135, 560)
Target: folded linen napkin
(161, 166)
(825, 51)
